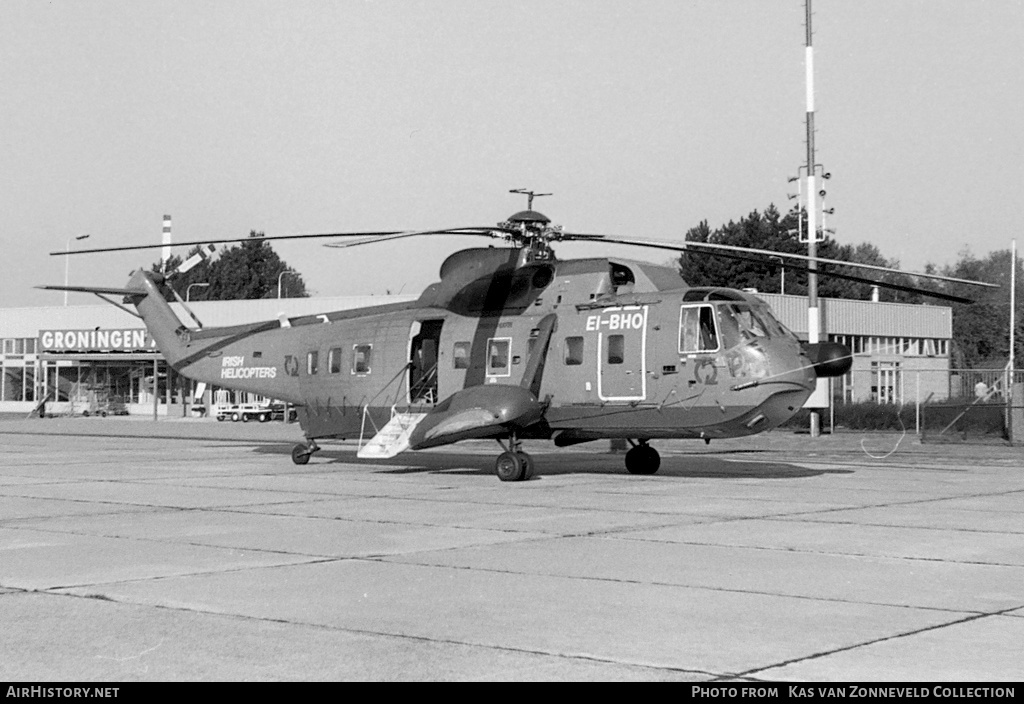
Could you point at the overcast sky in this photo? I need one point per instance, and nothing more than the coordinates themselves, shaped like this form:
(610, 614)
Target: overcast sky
(642, 117)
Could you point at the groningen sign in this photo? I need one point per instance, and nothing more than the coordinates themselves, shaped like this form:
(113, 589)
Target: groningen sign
(93, 340)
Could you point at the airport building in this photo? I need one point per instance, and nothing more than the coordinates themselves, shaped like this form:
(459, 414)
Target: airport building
(100, 359)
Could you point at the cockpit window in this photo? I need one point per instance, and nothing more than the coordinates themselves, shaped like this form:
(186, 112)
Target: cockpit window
(742, 322)
(697, 331)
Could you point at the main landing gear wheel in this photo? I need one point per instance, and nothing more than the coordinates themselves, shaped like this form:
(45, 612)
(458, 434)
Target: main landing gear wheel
(642, 459)
(513, 465)
(510, 467)
(301, 453)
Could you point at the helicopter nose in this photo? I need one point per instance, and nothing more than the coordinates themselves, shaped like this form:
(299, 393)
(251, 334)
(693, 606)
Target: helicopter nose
(829, 358)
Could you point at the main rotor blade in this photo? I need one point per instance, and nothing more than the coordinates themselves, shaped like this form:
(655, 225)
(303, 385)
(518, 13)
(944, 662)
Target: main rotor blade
(265, 238)
(479, 232)
(850, 277)
(96, 289)
(684, 246)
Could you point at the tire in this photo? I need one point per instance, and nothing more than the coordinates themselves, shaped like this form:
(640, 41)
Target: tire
(235, 417)
(264, 417)
(643, 459)
(85, 414)
(220, 419)
(510, 467)
(300, 455)
(246, 418)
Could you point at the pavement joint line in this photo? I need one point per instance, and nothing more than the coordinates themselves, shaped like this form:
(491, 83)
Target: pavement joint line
(890, 504)
(12, 523)
(375, 633)
(805, 551)
(313, 557)
(617, 533)
(783, 518)
(61, 590)
(895, 636)
(397, 559)
(316, 557)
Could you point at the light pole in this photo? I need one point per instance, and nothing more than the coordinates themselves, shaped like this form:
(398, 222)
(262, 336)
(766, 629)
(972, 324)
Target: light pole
(286, 271)
(782, 284)
(67, 263)
(189, 289)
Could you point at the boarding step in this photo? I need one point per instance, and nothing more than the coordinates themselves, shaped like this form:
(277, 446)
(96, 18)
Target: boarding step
(393, 438)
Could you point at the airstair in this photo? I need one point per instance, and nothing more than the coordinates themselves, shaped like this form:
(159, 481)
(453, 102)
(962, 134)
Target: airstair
(393, 438)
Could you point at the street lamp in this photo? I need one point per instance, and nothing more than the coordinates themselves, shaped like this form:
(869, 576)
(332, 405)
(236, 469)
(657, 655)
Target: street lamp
(67, 263)
(286, 271)
(189, 289)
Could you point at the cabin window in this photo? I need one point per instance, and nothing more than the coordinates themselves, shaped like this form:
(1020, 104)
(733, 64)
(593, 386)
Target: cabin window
(361, 359)
(312, 360)
(616, 349)
(460, 355)
(334, 360)
(697, 332)
(573, 351)
(498, 357)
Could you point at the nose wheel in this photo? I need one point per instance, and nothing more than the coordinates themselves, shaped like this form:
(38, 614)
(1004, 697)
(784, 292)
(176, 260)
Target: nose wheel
(513, 465)
(642, 459)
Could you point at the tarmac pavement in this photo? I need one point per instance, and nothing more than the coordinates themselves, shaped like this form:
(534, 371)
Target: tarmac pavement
(192, 550)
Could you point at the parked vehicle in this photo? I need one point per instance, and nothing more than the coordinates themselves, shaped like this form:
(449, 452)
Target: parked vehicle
(111, 408)
(244, 412)
(277, 412)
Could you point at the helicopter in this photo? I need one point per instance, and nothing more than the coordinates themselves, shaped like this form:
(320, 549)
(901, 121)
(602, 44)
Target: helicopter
(511, 344)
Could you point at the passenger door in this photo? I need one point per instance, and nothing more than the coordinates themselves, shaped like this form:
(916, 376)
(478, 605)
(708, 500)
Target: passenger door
(621, 353)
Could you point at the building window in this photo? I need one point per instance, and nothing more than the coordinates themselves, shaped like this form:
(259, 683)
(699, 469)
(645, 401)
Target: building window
(312, 361)
(334, 360)
(886, 382)
(498, 362)
(460, 355)
(573, 351)
(361, 359)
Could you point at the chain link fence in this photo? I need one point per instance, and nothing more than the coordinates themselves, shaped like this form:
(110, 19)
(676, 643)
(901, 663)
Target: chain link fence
(939, 405)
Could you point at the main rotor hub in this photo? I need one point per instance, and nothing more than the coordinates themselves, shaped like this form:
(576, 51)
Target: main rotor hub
(532, 231)
(529, 217)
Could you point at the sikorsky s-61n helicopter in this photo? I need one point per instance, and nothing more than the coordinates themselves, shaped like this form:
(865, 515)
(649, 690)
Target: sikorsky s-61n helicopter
(512, 343)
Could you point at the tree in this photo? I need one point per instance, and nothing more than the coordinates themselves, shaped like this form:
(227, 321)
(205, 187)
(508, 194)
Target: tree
(244, 271)
(981, 330)
(772, 231)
